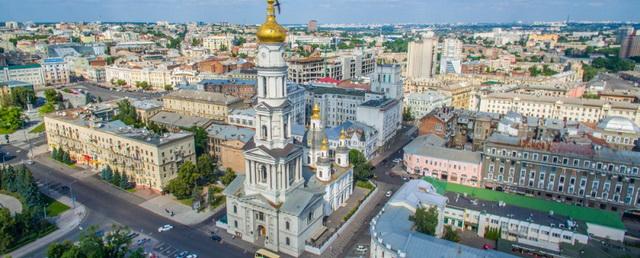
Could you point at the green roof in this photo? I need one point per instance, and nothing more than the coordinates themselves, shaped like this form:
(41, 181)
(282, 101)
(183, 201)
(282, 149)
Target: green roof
(585, 214)
(14, 67)
(334, 90)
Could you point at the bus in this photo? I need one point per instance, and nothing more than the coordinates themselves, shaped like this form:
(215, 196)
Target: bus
(264, 253)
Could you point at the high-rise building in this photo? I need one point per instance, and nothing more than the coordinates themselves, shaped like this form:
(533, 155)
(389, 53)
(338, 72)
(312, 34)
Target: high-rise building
(422, 58)
(451, 58)
(630, 45)
(623, 33)
(312, 26)
(386, 80)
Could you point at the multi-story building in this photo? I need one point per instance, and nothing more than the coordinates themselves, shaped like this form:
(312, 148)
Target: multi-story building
(147, 159)
(583, 110)
(147, 108)
(156, 77)
(619, 132)
(226, 144)
(421, 104)
(451, 57)
(312, 26)
(340, 66)
(242, 117)
(630, 45)
(572, 171)
(211, 105)
(385, 115)
(217, 42)
(244, 89)
(336, 104)
(56, 71)
(31, 73)
(387, 81)
(422, 58)
(427, 155)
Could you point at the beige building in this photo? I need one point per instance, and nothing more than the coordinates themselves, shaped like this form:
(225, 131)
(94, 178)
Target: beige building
(148, 160)
(422, 58)
(215, 42)
(156, 77)
(56, 71)
(211, 105)
(582, 110)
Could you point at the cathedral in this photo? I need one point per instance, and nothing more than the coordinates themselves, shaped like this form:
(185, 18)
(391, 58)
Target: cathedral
(278, 203)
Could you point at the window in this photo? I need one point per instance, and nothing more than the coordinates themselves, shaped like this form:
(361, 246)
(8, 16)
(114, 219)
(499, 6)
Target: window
(264, 132)
(235, 209)
(235, 223)
(286, 225)
(288, 242)
(263, 174)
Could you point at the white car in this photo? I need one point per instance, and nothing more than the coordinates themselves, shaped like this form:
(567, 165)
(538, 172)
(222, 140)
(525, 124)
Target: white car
(192, 256)
(388, 194)
(361, 249)
(165, 228)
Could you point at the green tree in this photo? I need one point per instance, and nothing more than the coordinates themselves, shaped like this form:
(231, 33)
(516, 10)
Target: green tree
(356, 157)
(228, 176)
(223, 48)
(22, 96)
(425, 220)
(115, 244)
(47, 108)
(407, 115)
(10, 119)
(168, 87)
(52, 96)
(589, 72)
(106, 174)
(200, 138)
(206, 168)
(144, 85)
(124, 181)
(450, 234)
(120, 82)
(7, 223)
(127, 113)
(115, 180)
(181, 186)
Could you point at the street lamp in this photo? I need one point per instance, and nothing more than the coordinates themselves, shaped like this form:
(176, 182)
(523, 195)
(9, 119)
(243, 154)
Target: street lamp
(73, 197)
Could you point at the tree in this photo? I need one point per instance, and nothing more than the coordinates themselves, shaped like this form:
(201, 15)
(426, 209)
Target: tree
(10, 119)
(223, 48)
(450, 234)
(22, 96)
(52, 96)
(407, 115)
(363, 172)
(201, 137)
(425, 220)
(115, 180)
(127, 113)
(47, 108)
(144, 85)
(7, 224)
(168, 87)
(181, 186)
(228, 176)
(114, 245)
(106, 174)
(356, 157)
(178, 188)
(206, 168)
(120, 82)
(124, 181)
(589, 72)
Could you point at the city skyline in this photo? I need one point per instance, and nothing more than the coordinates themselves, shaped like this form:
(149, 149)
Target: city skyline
(326, 12)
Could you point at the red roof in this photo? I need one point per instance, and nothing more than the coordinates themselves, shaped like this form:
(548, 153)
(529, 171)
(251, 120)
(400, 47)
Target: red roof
(328, 80)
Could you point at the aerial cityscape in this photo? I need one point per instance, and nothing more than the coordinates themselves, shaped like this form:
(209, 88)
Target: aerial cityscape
(337, 128)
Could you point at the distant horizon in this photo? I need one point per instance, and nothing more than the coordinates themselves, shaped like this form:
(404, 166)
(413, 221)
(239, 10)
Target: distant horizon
(325, 12)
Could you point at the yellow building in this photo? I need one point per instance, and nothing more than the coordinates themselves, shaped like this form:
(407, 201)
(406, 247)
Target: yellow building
(147, 159)
(211, 105)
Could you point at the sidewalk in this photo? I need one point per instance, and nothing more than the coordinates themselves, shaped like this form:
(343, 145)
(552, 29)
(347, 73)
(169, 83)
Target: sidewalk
(66, 222)
(182, 213)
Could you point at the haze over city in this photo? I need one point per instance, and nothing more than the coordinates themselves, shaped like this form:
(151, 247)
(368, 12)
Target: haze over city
(325, 11)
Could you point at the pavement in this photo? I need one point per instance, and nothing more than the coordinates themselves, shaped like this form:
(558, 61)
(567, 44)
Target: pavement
(164, 204)
(11, 203)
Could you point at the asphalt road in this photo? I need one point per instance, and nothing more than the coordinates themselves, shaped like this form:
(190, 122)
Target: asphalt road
(104, 208)
(108, 94)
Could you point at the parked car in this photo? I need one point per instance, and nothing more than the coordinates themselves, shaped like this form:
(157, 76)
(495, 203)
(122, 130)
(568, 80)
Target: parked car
(216, 238)
(388, 194)
(361, 248)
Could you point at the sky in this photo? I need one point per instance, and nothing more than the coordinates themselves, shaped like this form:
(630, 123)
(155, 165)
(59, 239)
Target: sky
(325, 11)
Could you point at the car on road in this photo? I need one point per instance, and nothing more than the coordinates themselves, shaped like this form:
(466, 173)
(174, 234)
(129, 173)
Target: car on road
(216, 238)
(405, 178)
(388, 194)
(361, 249)
(397, 160)
(192, 256)
(165, 228)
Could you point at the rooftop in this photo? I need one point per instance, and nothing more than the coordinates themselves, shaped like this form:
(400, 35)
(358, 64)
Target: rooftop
(229, 132)
(578, 213)
(204, 96)
(336, 91)
(427, 145)
(572, 101)
(179, 120)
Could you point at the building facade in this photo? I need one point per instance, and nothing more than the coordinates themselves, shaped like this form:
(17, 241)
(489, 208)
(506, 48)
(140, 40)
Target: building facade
(211, 105)
(56, 71)
(421, 104)
(385, 115)
(451, 57)
(27, 73)
(422, 58)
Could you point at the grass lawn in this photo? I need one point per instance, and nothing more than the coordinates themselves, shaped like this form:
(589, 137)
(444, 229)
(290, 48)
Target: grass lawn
(586, 214)
(188, 201)
(131, 190)
(365, 185)
(38, 129)
(6, 131)
(56, 208)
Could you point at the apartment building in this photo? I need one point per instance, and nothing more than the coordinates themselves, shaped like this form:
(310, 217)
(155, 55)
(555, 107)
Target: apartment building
(147, 159)
(339, 66)
(421, 104)
(217, 42)
(56, 71)
(385, 115)
(422, 58)
(226, 144)
(211, 105)
(583, 110)
(573, 171)
(156, 77)
(31, 73)
(336, 104)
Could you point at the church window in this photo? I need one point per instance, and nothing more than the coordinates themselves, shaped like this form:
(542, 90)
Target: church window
(264, 132)
(263, 174)
(235, 223)
(264, 86)
(286, 225)
(235, 209)
(288, 241)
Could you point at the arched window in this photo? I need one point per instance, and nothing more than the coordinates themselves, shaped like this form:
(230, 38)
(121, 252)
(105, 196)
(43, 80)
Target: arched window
(235, 223)
(235, 209)
(288, 241)
(263, 174)
(339, 161)
(264, 86)
(264, 132)
(286, 225)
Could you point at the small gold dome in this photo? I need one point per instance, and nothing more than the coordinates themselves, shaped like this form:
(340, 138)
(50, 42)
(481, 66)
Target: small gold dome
(325, 144)
(315, 113)
(343, 135)
(270, 31)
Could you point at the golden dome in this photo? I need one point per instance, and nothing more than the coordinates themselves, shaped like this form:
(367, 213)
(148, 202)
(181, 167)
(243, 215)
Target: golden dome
(270, 31)
(315, 113)
(343, 135)
(325, 144)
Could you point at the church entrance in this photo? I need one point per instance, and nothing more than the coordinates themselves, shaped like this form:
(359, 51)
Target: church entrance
(261, 235)
(262, 231)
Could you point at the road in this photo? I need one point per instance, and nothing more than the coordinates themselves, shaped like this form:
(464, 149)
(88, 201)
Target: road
(107, 94)
(105, 207)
